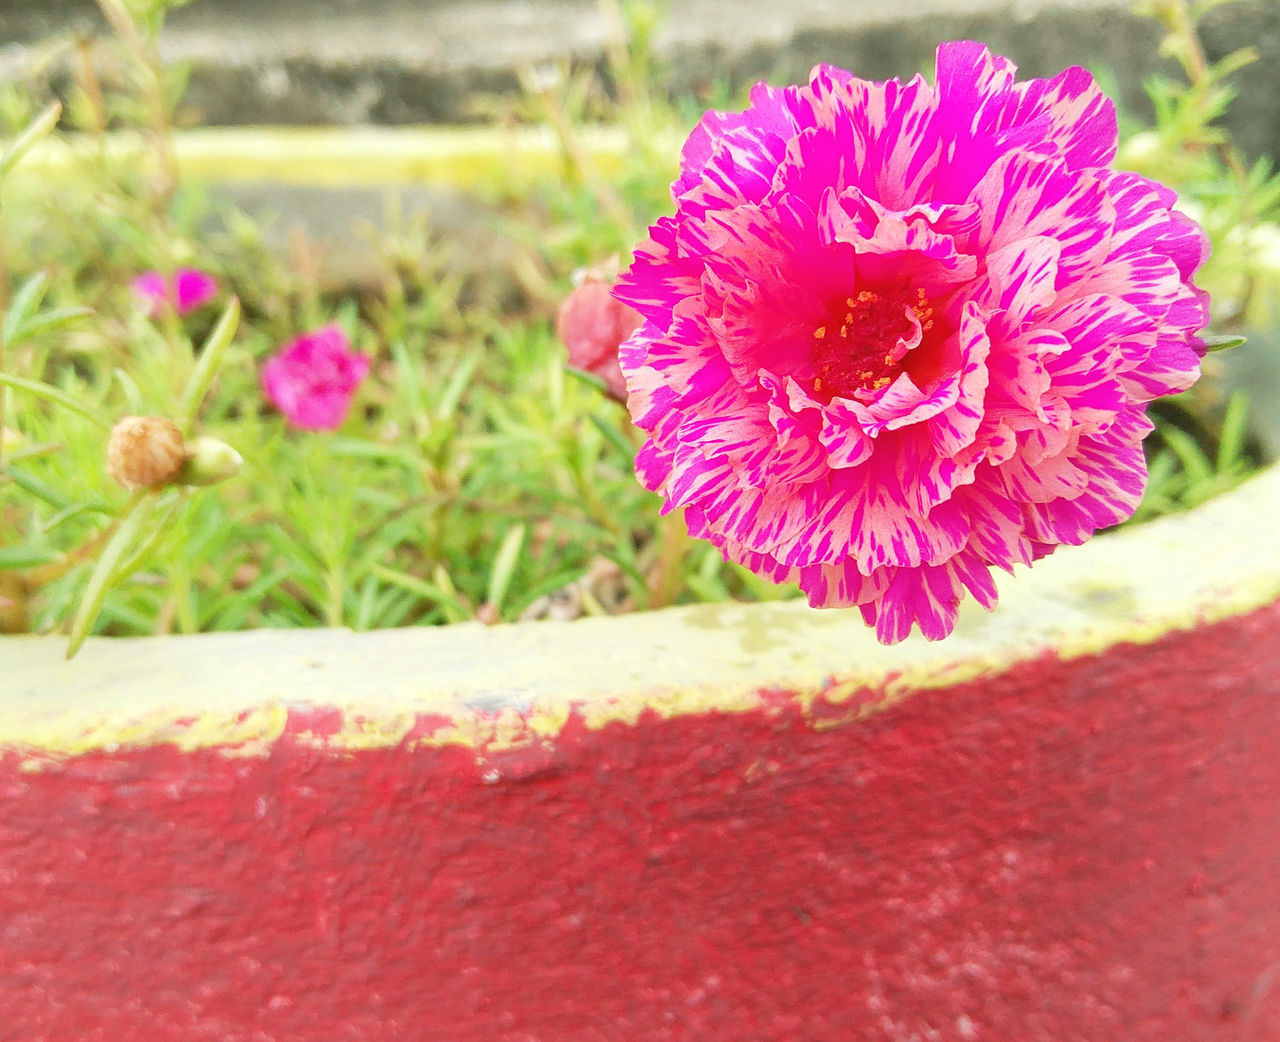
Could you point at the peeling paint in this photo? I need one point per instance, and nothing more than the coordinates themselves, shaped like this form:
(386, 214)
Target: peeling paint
(497, 689)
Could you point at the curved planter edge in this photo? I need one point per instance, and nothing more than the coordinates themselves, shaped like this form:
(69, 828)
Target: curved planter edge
(721, 822)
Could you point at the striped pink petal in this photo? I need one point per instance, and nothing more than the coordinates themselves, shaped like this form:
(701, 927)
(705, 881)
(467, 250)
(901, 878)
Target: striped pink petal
(899, 334)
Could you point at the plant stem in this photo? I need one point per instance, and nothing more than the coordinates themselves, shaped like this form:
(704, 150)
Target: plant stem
(577, 155)
(333, 598)
(1200, 75)
(666, 578)
(4, 394)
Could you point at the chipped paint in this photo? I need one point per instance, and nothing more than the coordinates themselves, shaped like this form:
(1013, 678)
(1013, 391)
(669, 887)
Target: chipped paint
(1084, 850)
(495, 689)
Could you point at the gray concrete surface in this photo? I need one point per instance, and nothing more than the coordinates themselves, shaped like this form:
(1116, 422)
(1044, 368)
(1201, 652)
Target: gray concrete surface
(411, 61)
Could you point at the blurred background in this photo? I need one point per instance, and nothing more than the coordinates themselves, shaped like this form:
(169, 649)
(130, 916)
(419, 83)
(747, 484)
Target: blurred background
(433, 176)
(438, 61)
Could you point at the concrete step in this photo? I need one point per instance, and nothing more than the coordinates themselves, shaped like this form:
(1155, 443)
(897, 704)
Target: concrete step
(410, 61)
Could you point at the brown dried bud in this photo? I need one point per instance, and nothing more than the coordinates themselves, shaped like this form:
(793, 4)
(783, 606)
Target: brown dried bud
(145, 451)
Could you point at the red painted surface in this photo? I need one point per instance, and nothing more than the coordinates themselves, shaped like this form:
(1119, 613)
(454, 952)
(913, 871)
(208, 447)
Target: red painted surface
(1085, 851)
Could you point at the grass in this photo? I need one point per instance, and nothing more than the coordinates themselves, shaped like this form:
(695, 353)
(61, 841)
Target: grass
(476, 476)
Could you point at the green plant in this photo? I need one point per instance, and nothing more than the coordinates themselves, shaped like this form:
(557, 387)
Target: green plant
(475, 477)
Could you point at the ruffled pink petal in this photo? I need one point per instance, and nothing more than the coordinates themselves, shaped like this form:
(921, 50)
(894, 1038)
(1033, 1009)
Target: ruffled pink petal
(1070, 111)
(193, 289)
(187, 290)
(152, 289)
(313, 378)
(728, 149)
(1023, 196)
(898, 335)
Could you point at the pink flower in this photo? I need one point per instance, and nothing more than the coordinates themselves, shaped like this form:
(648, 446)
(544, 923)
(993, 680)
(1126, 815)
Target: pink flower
(896, 334)
(311, 379)
(592, 325)
(188, 290)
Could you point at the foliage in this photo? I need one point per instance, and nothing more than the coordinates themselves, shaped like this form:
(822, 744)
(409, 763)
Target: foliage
(475, 477)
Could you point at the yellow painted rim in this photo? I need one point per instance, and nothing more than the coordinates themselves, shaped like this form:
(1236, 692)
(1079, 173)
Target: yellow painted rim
(470, 158)
(498, 687)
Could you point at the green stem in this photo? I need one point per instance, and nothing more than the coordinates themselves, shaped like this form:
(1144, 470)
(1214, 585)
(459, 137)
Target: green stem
(1201, 75)
(1181, 24)
(181, 580)
(667, 577)
(333, 600)
(4, 393)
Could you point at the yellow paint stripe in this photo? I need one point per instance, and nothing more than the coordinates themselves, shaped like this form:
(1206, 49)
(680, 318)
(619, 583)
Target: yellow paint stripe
(470, 158)
(506, 686)
(498, 688)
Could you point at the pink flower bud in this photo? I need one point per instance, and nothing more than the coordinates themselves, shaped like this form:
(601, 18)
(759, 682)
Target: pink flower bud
(592, 326)
(313, 378)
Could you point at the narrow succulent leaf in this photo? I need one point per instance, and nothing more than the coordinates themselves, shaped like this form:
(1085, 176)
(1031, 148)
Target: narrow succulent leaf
(457, 385)
(1235, 429)
(47, 322)
(35, 131)
(13, 557)
(23, 306)
(105, 570)
(504, 565)
(1223, 342)
(207, 365)
(53, 394)
(615, 438)
(35, 486)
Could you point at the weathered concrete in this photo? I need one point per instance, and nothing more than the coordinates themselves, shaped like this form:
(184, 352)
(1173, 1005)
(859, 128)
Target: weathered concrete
(724, 823)
(404, 61)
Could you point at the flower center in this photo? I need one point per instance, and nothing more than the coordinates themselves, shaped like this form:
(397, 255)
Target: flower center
(862, 345)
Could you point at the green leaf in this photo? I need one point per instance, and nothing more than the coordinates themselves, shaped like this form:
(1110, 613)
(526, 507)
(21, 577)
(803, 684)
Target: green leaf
(133, 396)
(23, 305)
(53, 394)
(144, 549)
(504, 565)
(37, 129)
(1222, 342)
(32, 485)
(441, 594)
(75, 510)
(46, 448)
(104, 572)
(211, 355)
(367, 604)
(1194, 462)
(1235, 428)
(47, 322)
(615, 438)
(590, 379)
(457, 384)
(24, 556)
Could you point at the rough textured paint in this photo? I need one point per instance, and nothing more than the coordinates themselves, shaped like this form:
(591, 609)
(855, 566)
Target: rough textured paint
(1065, 851)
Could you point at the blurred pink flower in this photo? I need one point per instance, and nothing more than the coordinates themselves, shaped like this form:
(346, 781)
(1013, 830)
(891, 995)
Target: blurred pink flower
(899, 334)
(312, 379)
(189, 289)
(592, 325)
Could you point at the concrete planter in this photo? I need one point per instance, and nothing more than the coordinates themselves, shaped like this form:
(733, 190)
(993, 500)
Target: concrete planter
(710, 824)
